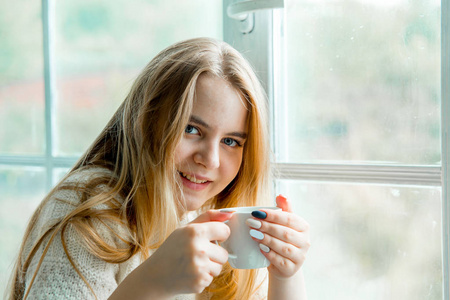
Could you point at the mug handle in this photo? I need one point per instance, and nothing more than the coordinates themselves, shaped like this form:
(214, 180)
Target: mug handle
(230, 255)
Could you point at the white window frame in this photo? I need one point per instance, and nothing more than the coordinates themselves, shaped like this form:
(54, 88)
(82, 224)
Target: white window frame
(258, 46)
(445, 142)
(49, 161)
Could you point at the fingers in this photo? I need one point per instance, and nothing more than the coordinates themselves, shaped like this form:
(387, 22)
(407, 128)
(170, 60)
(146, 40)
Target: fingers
(216, 253)
(210, 226)
(284, 249)
(203, 237)
(284, 226)
(283, 203)
(213, 215)
(283, 237)
(286, 257)
(283, 233)
(189, 259)
(215, 269)
(282, 218)
(282, 265)
(216, 231)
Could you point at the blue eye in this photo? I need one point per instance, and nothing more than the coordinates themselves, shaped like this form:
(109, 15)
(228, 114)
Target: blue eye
(191, 129)
(231, 142)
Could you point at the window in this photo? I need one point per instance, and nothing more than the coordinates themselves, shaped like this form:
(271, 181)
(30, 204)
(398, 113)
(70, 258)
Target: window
(65, 66)
(355, 91)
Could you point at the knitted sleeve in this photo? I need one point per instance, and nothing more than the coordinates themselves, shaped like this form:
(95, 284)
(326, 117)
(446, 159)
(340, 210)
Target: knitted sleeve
(56, 277)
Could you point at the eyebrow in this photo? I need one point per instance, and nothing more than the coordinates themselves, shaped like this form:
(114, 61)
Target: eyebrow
(199, 121)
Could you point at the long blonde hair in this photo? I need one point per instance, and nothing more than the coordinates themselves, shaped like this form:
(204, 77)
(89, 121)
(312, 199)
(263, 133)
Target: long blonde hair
(138, 146)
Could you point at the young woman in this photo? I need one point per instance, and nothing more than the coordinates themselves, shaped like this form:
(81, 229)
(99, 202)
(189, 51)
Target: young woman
(191, 137)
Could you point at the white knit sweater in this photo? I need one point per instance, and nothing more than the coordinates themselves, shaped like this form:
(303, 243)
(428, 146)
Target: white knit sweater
(56, 278)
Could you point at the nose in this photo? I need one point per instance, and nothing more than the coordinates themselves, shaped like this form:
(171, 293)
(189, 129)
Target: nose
(208, 155)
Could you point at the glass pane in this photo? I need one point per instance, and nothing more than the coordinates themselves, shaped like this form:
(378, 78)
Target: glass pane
(21, 78)
(363, 82)
(58, 174)
(22, 190)
(370, 242)
(101, 46)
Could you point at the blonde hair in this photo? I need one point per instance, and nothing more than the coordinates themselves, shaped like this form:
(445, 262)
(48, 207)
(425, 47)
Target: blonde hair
(138, 146)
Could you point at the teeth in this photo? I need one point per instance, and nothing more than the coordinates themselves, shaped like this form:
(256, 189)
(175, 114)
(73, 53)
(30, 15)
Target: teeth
(193, 179)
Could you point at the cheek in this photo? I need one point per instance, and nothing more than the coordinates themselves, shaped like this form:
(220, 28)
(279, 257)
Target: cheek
(181, 152)
(232, 166)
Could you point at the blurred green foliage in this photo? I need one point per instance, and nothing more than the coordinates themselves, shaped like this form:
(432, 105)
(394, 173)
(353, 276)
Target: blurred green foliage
(20, 41)
(370, 242)
(22, 188)
(363, 82)
(97, 49)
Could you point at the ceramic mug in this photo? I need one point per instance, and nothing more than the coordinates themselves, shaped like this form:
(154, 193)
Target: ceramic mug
(243, 251)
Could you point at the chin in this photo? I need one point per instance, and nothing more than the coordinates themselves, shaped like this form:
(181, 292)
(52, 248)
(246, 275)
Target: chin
(194, 204)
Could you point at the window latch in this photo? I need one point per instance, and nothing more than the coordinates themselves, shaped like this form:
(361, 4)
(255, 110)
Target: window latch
(243, 11)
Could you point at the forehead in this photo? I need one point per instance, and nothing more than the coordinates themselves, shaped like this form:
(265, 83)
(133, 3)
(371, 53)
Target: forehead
(219, 104)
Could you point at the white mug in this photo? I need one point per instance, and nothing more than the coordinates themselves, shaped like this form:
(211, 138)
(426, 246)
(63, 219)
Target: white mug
(243, 251)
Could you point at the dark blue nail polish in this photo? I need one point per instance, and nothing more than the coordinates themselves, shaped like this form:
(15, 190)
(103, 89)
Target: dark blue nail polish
(259, 214)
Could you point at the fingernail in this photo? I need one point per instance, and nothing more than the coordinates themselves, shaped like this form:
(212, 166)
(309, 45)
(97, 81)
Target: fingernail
(264, 248)
(281, 197)
(253, 223)
(259, 214)
(257, 234)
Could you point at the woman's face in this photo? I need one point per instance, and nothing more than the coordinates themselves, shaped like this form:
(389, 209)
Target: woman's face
(209, 155)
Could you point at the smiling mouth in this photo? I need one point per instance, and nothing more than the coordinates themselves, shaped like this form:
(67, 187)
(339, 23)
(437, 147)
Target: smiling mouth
(192, 178)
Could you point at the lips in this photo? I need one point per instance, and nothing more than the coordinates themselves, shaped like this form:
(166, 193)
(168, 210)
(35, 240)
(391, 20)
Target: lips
(194, 182)
(192, 178)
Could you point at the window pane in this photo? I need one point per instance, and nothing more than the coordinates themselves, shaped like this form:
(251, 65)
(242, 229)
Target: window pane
(102, 46)
(21, 78)
(58, 174)
(363, 82)
(22, 190)
(370, 242)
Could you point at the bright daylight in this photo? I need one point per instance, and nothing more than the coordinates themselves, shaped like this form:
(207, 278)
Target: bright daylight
(225, 149)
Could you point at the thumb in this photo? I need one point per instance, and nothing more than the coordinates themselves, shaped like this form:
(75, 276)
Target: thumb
(213, 215)
(284, 203)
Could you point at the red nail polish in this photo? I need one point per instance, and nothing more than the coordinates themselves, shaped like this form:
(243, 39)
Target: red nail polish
(282, 197)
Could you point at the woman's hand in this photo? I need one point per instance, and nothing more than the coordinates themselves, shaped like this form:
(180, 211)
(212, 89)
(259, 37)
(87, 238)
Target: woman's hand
(286, 239)
(188, 260)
